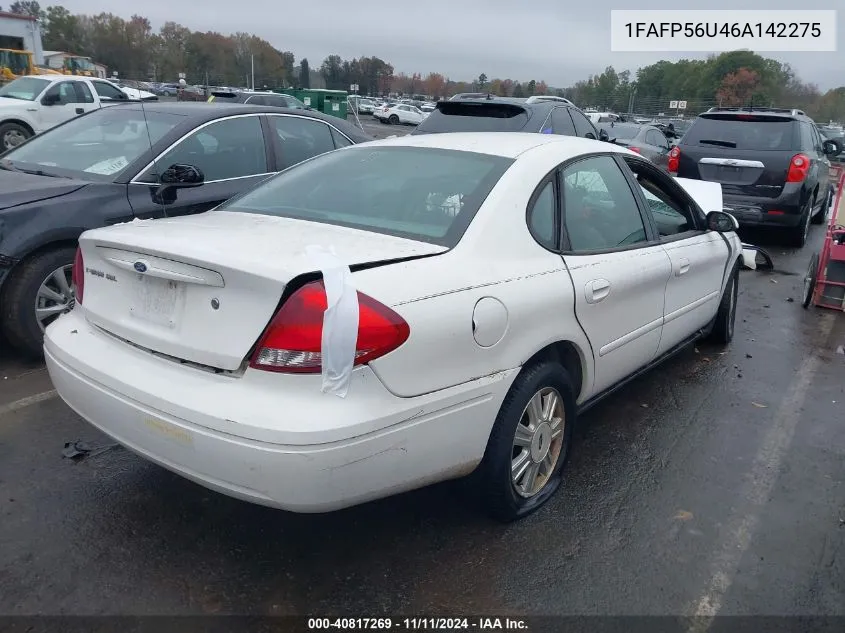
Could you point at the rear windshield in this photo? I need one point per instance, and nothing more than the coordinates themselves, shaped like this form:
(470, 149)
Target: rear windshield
(420, 193)
(621, 132)
(457, 116)
(754, 133)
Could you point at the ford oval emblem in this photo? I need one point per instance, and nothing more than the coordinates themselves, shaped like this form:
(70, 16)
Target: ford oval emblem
(141, 267)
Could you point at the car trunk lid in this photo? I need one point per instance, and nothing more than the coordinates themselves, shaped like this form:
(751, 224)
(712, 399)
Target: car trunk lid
(203, 288)
(748, 154)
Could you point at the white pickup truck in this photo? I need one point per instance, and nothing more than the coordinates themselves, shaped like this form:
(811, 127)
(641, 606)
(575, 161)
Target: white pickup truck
(29, 105)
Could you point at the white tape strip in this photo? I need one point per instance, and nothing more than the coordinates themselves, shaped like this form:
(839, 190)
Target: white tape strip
(340, 321)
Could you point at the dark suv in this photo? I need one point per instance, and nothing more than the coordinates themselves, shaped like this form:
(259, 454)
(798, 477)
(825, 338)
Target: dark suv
(772, 164)
(501, 114)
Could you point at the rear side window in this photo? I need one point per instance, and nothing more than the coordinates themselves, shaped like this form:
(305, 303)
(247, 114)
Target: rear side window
(750, 132)
(462, 116)
(622, 132)
(808, 139)
(583, 127)
(425, 194)
(562, 122)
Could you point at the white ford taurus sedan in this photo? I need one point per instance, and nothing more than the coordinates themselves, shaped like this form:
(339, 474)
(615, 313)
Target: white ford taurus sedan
(394, 314)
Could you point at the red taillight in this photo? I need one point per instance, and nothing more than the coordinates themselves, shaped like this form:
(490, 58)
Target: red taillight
(78, 276)
(674, 159)
(798, 168)
(636, 150)
(293, 340)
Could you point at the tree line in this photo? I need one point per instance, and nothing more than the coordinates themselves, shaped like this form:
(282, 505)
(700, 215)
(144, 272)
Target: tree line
(134, 50)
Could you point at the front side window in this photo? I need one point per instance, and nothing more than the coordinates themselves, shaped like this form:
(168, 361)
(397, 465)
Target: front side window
(108, 91)
(600, 211)
(63, 93)
(671, 215)
(231, 148)
(421, 193)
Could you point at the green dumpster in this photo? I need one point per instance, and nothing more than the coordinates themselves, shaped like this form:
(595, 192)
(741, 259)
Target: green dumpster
(332, 102)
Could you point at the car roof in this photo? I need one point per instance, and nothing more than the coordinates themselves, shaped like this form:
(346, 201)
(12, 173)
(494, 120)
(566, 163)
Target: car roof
(203, 112)
(787, 113)
(509, 145)
(55, 78)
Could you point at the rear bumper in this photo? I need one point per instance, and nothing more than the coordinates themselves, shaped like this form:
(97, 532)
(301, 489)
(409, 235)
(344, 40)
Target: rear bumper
(266, 438)
(784, 211)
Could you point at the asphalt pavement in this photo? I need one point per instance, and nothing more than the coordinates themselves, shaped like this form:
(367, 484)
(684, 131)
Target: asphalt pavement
(710, 485)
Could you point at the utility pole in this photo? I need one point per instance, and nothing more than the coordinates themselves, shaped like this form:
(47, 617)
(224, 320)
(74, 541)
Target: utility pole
(252, 62)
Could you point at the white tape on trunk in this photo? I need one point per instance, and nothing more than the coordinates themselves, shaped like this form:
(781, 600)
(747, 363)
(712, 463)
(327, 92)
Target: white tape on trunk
(340, 321)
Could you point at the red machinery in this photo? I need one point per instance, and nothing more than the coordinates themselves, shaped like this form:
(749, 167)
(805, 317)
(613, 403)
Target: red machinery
(824, 284)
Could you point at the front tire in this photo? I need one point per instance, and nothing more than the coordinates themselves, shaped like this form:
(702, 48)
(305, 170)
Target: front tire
(529, 444)
(725, 322)
(37, 293)
(12, 135)
(394, 120)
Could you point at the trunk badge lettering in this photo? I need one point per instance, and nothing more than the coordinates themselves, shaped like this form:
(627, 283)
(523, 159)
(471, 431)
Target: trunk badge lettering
(141, 267)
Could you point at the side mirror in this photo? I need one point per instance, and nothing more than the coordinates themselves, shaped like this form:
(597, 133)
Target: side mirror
(831, 148)
(50, 99)
(722, 222)
(177, 176)
(182, 176)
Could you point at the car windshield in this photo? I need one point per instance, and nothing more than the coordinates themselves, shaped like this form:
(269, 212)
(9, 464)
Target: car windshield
(425, 194)
(24, 88)
(622, 132)
(749, 132)
(96, 146)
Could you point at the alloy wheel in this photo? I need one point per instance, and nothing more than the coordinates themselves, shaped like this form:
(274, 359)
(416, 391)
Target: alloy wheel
(537, 442)
(55, 296)
(13, 138)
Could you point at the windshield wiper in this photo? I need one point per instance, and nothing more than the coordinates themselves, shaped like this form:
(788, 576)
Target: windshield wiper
(34, 172)
(8, 166)
(719, 143)
(14, 97)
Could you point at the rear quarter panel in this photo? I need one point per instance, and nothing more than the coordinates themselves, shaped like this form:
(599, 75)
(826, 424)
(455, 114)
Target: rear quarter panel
(497, 258)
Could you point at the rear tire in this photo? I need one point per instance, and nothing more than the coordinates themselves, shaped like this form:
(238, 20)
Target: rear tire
(798, 235)
(17, 312)
(821, 216)
(521, 471)
(723, 325)
(810, 281)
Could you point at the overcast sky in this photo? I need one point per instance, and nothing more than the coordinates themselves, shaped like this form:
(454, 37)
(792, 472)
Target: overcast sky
(558, 41)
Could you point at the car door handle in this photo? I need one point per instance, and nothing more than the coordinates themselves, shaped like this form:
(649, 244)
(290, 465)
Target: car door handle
(597, 290)
(80, 110)
(682, 268)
